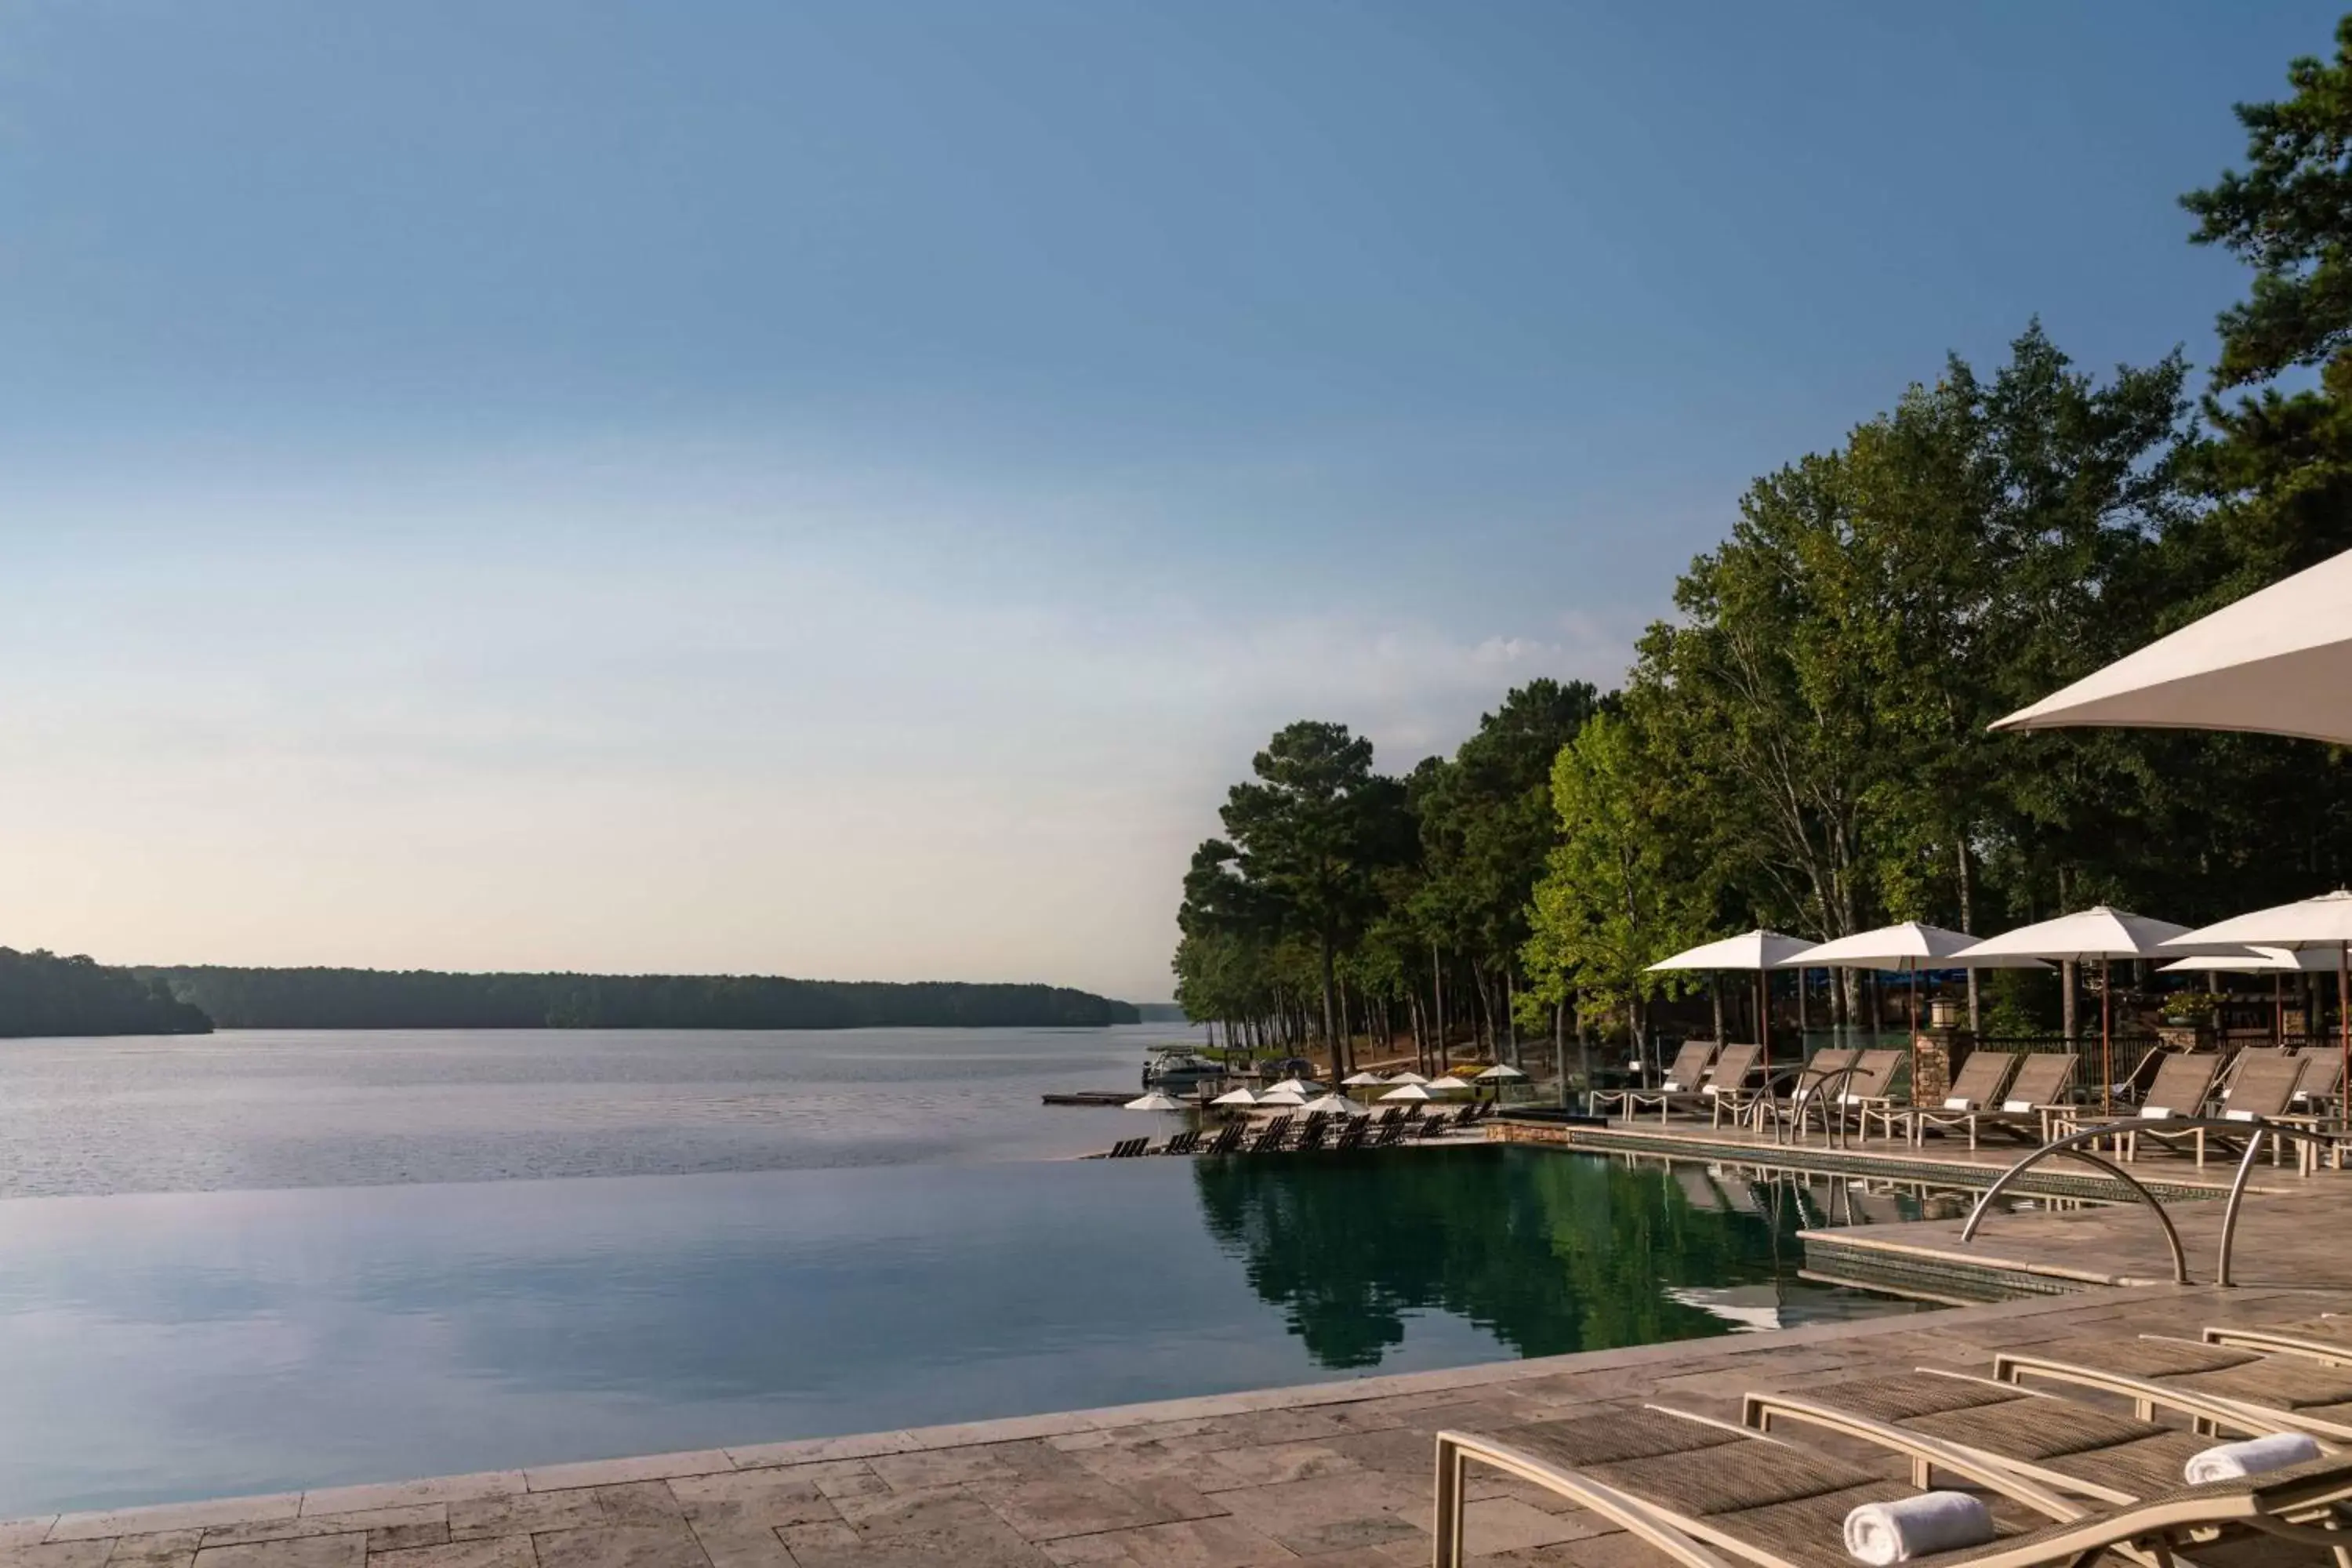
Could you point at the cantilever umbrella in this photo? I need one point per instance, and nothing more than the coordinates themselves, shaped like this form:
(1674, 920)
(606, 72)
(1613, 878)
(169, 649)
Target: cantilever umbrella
(1761, 950)
(2323, 923)
(2101, 934)
(1906, 948)
(2278, 662)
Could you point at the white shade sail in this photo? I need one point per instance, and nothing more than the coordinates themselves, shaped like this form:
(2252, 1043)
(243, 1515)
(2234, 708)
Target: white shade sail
(1908, 946)
(1236, 1096)
(1448, 1081)
(1155, 1101)
(2324, 921)
(1337, 1105)
(2091, 934)
(1407, 1091)
(1751, 950)
(2278, 662)
(1500, 1071)
(1408, 1077)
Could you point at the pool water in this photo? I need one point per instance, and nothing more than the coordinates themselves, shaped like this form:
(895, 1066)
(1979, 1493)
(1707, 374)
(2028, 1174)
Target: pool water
(164, 1345)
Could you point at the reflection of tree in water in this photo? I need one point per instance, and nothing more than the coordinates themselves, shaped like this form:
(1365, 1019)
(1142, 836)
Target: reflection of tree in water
(1550, 1253)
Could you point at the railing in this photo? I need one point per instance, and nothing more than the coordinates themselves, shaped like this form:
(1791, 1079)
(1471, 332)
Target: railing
(2253, 1129)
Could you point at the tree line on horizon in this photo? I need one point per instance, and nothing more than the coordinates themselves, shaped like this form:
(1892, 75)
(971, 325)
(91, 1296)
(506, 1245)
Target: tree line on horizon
(320, 998)
(42, 994)
(1804, 746)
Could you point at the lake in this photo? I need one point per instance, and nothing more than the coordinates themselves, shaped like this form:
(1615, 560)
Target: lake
(276, 1261)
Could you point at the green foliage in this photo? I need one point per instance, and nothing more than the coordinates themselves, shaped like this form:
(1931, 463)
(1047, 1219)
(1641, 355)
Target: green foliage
(42, 994)
(1616, 895)
(426, 999)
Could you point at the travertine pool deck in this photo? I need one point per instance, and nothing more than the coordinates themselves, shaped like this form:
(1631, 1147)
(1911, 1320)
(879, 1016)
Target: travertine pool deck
(1336, 1474)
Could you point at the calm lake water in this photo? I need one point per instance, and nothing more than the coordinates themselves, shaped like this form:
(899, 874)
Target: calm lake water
(285, 1267)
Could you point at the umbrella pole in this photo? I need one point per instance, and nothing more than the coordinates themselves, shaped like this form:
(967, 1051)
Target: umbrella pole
(1764, 1018)
(2343, 1024)
(2107, 1040)
(1913, 967)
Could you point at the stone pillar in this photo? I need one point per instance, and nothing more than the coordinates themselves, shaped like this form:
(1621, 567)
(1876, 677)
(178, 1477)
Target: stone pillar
(1935, 1055)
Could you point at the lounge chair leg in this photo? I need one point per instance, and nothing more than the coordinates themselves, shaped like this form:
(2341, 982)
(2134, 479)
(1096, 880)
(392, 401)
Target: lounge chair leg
(1447, 1526)
(1922, 1474)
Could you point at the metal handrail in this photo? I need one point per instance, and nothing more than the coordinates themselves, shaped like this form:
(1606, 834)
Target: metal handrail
(1801, 1096)
(2255, 1129)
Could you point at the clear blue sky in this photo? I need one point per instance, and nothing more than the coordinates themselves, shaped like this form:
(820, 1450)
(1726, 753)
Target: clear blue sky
(838, 489)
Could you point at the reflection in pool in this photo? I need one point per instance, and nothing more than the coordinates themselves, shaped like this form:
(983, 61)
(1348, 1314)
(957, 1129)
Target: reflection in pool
(163, 1346)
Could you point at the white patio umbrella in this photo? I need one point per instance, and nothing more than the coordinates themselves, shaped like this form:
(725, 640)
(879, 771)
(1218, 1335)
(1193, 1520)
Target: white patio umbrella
(1448, 1081)
(1237, 1096)
(2278, 662)
(1409, 1092)
(1302, 1087)
(2274, 962)
(1361, 1079)
(1337, 1105)
(2098, 933)
(1288, 1098)
(1408, 1076)
(1498, 1072)
(1155, 1101)
(1761, 950)
(2323, 923)
(1904, 948)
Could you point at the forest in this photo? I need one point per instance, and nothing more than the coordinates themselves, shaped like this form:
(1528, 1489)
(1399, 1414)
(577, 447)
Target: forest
(42, 994)
(426, 999)
(1802, 744)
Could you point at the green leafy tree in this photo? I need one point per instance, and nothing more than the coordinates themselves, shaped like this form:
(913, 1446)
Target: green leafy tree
(1616, 895)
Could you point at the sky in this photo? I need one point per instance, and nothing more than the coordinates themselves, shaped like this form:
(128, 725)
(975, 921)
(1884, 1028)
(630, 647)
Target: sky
(841, 490)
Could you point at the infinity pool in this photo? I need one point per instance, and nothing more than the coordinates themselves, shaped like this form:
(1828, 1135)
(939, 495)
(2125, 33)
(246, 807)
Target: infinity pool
(184, 1344)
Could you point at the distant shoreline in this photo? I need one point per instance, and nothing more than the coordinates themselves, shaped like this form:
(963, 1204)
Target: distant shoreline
(48, 996)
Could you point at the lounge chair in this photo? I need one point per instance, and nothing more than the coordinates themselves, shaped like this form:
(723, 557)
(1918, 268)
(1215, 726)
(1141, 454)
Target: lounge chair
(1229, 1138)
(1352, 1135)
(1183, 1142)
(1976, 1091)
(2071, 1447)
(1794, 1093)
(2035, 1098)
(2326, 1338)
(1270, 1136)
(1127, 1148)
(1708, 1495)
(1437, 1123)
(2208, 1383)
(1684, 1076)
(1311, 1134)
(2182, 1085)
(1867, 1087)
(1392, 1133)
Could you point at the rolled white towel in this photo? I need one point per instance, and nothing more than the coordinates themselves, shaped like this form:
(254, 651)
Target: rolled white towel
(2231, 1461)
(1881, 1533)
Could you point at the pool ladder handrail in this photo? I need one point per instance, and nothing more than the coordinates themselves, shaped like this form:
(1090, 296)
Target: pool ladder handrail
(2253, 1129)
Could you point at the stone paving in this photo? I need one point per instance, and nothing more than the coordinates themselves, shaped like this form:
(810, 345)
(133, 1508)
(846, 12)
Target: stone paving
(1333, 1474)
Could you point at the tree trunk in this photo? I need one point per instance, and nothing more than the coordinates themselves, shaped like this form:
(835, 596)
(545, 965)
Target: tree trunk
(1584, 1039)
(1969, 922)
(1437, 980)
(1511, 1015)
(1330, 999)
(1715, 998)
